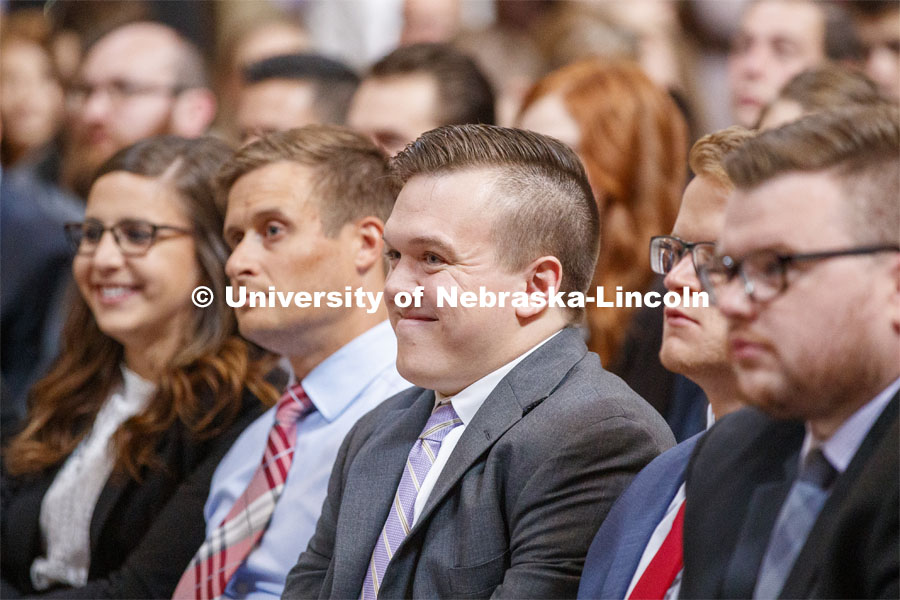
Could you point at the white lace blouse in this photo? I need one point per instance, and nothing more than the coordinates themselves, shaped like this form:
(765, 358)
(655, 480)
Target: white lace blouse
(68, 505)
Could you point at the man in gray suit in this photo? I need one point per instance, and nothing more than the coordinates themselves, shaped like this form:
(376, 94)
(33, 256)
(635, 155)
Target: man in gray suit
(491, 478)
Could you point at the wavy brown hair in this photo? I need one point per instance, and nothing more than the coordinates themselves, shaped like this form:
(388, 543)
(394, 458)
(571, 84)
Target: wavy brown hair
(634, 146)
(203, 383)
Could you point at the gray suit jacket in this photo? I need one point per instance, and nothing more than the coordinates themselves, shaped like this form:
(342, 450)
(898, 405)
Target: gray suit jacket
(519, 500)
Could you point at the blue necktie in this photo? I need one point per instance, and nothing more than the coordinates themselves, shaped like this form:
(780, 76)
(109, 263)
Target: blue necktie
(796, 519)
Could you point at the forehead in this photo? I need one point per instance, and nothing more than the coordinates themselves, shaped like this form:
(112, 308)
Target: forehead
(798, 20)
(122, 195)
(385, 101)
(283, 187)
(133, 52)
(458, 204)
(796, 211)
(702, 212)
(286, 101)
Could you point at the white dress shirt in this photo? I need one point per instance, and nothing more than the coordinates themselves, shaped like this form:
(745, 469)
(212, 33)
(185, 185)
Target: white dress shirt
(466, 403)
(68, 505)
(343, 388)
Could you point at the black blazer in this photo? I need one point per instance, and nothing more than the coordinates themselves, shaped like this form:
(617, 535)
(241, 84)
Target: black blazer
(738, 479)
(142, 534)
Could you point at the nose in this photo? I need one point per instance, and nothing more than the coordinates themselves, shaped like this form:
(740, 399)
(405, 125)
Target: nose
(241, 263)
(107, 255)
(751, 62)
(682, 275)
(733, 301)
(95, 106)
(400, 278)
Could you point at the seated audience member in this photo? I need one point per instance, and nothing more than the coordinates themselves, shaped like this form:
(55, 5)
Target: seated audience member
(35, 262)
(797, 497)
(637, 552)
(31, 105)
(491, 477)
(632, 140)
(139, 80)
(778, 39)
(103, 489)
(417, 88)
(878, 27)
(818, 89)
(293, 90)
(306, 211)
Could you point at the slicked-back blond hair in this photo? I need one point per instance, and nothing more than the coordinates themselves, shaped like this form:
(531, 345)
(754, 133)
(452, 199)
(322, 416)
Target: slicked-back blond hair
(708, 153)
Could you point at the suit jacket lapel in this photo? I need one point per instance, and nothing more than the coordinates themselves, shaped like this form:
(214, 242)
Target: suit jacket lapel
(109, 497)
(753, 539)
(526, 386)
(802, 577)
(377, 469)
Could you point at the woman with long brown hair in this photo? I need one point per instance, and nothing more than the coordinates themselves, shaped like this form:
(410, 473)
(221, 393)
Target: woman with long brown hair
(632, 140)
(104, 487)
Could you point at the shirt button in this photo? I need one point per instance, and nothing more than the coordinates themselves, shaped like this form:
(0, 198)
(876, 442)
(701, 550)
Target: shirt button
(242, 588)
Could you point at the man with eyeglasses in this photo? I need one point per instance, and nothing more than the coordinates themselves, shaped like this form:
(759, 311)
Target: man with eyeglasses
(798, 496)
(637, 551)
(139, 80)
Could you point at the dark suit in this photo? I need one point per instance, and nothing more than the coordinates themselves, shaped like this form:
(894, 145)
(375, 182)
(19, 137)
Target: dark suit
(515, 507)
(737, 481)
(142, 534)
(619, 544)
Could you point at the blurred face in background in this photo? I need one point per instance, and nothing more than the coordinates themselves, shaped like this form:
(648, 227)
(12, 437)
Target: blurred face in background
(880, 37)
(549, 116)
(275, 105)
(31, 97)
(126, 91)
(777, 40)
(394, 111)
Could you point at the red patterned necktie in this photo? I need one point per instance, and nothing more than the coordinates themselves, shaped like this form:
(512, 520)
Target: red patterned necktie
(228, 546)
(657, 578)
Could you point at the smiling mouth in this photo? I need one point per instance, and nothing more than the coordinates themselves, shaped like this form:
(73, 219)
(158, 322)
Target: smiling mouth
(113, 294)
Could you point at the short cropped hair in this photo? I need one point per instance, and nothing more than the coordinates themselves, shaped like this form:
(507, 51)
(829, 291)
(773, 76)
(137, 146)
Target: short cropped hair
(544, 201)
(333, 81)
(352, 179)
(859, 145)
(708, 153)
(464, 94)
(829, 86)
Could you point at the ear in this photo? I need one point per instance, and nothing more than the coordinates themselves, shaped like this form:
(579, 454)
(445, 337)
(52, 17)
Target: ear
(543, 276)
(370, 245)
(193, 112)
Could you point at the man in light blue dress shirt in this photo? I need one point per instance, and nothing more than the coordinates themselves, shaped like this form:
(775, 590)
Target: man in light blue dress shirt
(306, 210)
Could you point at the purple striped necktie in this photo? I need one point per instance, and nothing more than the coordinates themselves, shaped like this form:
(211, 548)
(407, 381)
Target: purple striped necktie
(400, 518)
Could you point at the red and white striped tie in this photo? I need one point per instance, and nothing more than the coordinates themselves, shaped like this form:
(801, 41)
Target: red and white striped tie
(228, 546)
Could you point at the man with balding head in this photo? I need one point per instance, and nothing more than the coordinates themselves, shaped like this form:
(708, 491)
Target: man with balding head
(139, 80)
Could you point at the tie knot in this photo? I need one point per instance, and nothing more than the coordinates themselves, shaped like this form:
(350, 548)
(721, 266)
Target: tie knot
(818, 470)
(293, 406)
(439, 424)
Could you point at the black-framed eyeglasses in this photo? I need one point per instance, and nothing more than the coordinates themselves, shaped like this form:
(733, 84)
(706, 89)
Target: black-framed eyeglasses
(667, 250)
(133, 236)
(118, 91)
(764, 272)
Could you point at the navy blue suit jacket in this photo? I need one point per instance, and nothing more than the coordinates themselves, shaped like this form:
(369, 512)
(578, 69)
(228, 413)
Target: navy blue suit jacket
(619, 544)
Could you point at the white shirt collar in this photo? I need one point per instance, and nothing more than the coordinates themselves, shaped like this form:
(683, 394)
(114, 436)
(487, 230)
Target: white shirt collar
(840, 448)
(467, 402)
